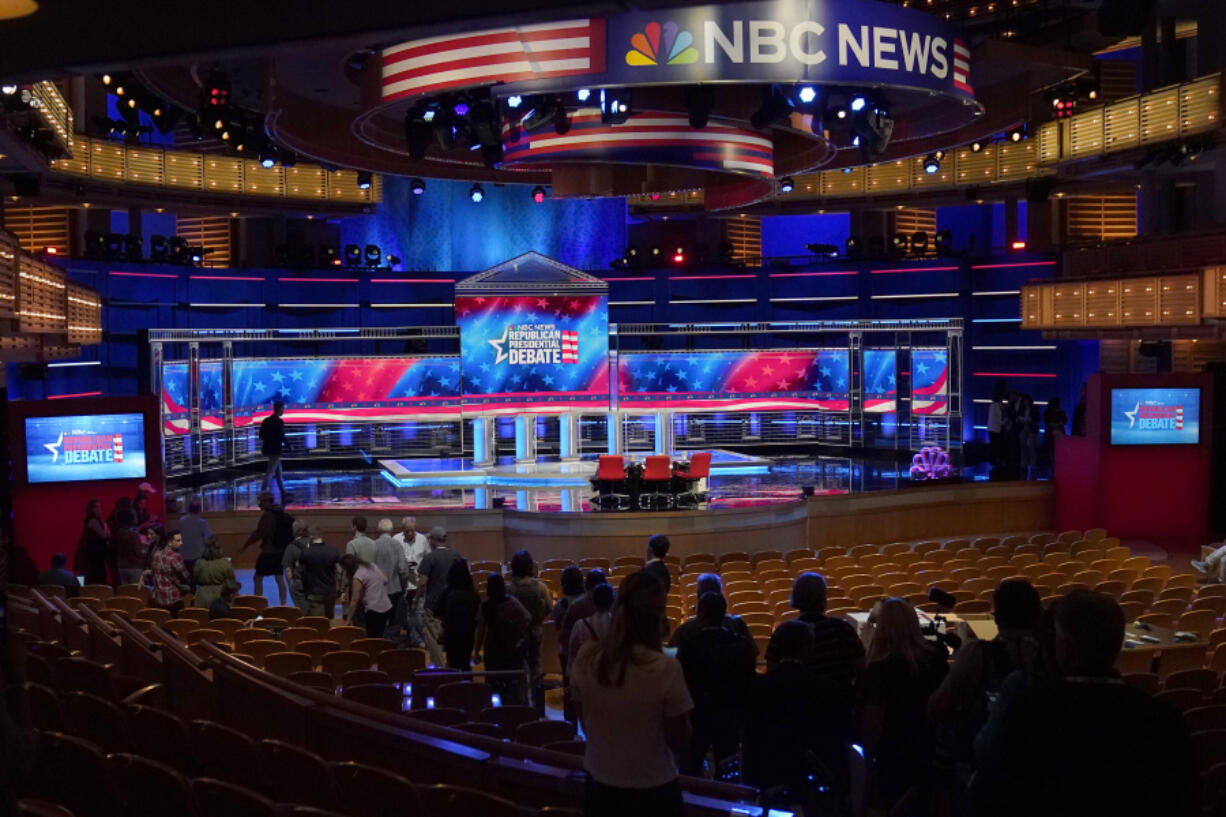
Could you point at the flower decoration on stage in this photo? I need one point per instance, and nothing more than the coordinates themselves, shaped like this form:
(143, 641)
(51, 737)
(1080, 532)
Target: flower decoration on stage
(932, 462)
(657, 44)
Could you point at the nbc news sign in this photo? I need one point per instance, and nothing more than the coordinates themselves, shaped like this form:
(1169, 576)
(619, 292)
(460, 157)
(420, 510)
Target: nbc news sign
(844, 42)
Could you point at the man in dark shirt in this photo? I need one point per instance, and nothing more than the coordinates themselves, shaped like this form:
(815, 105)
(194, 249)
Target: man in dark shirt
(781, 720)
(317, 567)
(432, 575)
(1085, 743)
(710, 583)
(274, 531)
(60, 576)
(272, 445)
(719, 666)
(657, 549)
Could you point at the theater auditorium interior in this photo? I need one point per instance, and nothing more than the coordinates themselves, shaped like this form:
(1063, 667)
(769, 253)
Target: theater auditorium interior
(771, 408)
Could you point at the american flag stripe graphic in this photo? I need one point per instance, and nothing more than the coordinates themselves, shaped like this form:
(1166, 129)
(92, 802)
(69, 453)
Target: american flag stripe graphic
(117, 447)
(1179, 418)
(516, 54)
(962, 67)
(570, 346)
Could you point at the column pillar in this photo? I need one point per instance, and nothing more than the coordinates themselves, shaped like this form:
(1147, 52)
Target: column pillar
(615, 433)
(484, 444)
(568, 436)
(525, 438)
(664, 432)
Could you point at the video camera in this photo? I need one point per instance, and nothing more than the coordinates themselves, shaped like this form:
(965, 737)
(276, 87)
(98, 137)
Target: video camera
(937, 628)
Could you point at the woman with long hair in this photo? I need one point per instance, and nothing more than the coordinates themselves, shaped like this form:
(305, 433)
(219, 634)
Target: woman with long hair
(503, 630)
(635, 707)
(902, 671)
(457, 609)
(367, 591)
(95, 543)
(212, 572)
(129, 547)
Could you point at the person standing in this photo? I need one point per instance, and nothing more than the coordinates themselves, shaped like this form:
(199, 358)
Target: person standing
(274, 531)
(213, 572)
(289, 563)
(504, 629)
(95, 543)
(60, 576)
(593, 627)
(1055, 419)
(317, 566)
(367, 591)
(415, 546)
(273, 443)
(996, 425)
(535, 597)
(195, 532)
(1079, 413)
(634, 706)
(413, 543)
(360, 545)
(432, 578)
(572, 591)
(458, 610)
(389, 558)
(657, 549)
(170, 577)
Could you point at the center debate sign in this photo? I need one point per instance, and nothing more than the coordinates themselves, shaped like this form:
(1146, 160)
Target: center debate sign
(546, 353)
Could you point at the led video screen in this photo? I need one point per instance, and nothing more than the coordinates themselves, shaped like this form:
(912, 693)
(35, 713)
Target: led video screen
(85, 447)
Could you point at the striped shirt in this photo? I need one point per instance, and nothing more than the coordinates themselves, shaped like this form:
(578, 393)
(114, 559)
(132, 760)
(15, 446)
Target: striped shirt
(837, 650)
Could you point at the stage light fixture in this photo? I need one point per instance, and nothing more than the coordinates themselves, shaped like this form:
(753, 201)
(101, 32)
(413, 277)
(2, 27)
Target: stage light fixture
(327, 256)
(543, 111)
(391, 261)
(159, 248)
(417, 187)
(786, 185)
(858, 104)
(823, 249)
(268, 157)
(1016, 134)
(854, 246)
(806, 94)
(538, 194)
(655, 252)
(1017, 246)
(373, 255)
(460, 108)
(872, 128)
(288, 158)
(476, 193)
(353, 255)
(699, 100)
(898, 244)
(196, 255)
(919, 243)
(932, 163)
(225, 135)
(365, 178)
(776, 107)
(120, 90)
(839, 112)
(615, 105)
(679, 256)
(106, 79)
(976, 146)
(514, 101)
(583, 94)
(944, 242)
(178, 251)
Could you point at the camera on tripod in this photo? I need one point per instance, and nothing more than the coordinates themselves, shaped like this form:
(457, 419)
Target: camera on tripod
(937, 629)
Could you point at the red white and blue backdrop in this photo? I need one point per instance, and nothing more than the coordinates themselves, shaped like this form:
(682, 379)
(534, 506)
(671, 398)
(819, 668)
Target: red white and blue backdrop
(762, 380)
(880, 380)
(929, 381)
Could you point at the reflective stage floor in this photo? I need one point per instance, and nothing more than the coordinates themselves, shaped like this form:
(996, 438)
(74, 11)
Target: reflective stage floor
(737, 480)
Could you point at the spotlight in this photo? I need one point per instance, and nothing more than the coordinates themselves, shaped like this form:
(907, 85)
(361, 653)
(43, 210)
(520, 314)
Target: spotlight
(120, 90)
(854, 246)
(391, 260)
(542, 111)
(353, 255)
(515, 101)
(178, 251)
(786, 185)
(1064, 106)
(839, 111)
(373, 255)
(873, 129)
(898, 244)
(655, 252)
(288, 158)
(95, 244)
(268, 157)
(583, 94)
(132, 102)
(615, 106)
(1017, 246)
(858, 103)
(476, 193)
(225, 135)
(776, 106)
(460, 108)
(932, 163)
(327, 256)
(159, 248)
(823, 249)
(976, 146)
(945, 242)
(197, 254)
(364, 179)
(106, 79)
(919, 243)
(417, 187)
(679, 256)
(1016, 134)
(538, 194)
(806, 94)
(699, 99)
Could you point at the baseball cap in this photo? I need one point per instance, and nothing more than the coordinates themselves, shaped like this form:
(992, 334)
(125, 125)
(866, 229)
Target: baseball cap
(437, 532)
(147, 488)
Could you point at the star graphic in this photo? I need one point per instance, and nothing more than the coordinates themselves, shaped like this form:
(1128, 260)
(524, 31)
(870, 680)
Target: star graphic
(54, 448)
(921, 367)
(1131, 415)
(278, 377)
(498, 346)
(295, 375)
(825, 370)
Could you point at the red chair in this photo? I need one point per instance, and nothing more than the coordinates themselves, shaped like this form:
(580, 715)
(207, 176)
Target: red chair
(691, 477)
(657, 482)
(610, 483)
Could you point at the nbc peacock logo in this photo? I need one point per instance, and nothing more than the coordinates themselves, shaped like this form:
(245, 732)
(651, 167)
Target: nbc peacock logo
(662, 45)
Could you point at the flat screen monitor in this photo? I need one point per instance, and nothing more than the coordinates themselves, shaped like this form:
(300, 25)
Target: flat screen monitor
(1155, 416)
(79, 448)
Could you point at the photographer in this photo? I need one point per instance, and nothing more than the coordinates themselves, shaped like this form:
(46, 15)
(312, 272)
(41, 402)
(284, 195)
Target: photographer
(959, 706)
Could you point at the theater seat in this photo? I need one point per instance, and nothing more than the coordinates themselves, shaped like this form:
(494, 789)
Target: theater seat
(295, 775)
(387, 697)
(231, 800)
(457, 801)
(543, 732)
(160, 735)
(374, 792)
(470, 696)
(152, 789)
(230, 754)
(41, 808)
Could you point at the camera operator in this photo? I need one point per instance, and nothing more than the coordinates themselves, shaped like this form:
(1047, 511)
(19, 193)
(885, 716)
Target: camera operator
(959, 707)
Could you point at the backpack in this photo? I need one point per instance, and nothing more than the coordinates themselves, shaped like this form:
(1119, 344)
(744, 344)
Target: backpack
(510, 628)
(527, 593)
(283, 534)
